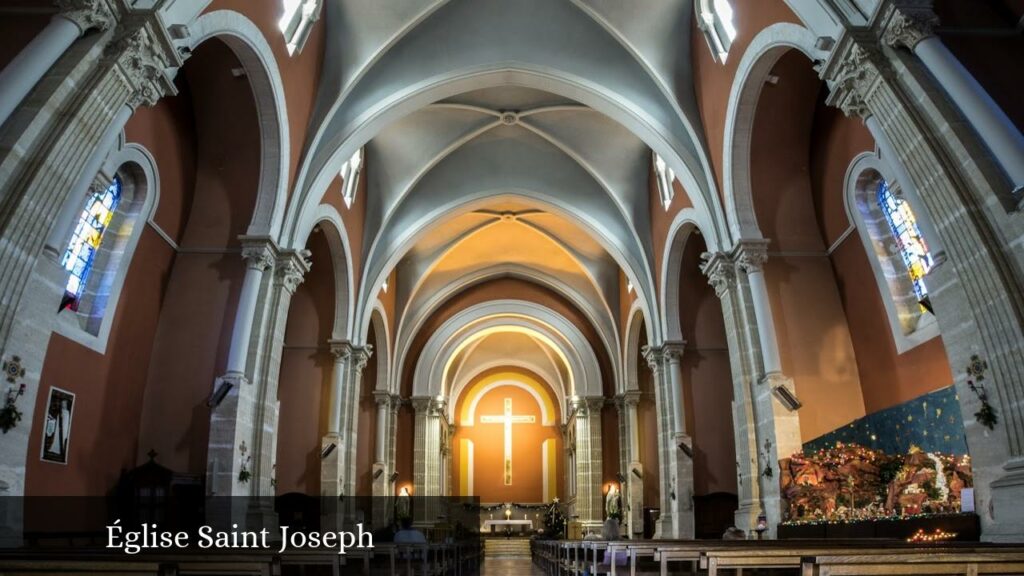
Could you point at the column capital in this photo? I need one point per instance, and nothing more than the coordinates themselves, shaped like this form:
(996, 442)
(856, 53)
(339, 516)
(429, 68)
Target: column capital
(629, 398)
(907, 22)
(853, 73)
(383, 398)
(720, 271)
(421, 403)
(144, 52)
(292, 266)
(673, 351)
(259, 252)
(87, 14)
(654, 355)
(751, 255)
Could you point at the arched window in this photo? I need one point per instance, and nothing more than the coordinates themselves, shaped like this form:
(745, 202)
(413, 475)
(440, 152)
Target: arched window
(666, 177)
(85, 242)
(715, 19)
(909, 240)
(100, 237)
(349, 175)
(898, 251)
(297, 22)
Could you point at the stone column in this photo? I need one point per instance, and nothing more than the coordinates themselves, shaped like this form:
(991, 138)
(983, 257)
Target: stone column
(911, 24)
(427, 457)
(977, 296)
(331, 448)
(744, 363)
(676, 460)
(633, 469)
(589, 498)
(259, 255)
(778, 425)
(75, 18)
(359, 356)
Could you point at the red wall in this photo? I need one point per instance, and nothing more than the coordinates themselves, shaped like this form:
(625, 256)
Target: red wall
(707, 378)
(305, 379)
(887, 377)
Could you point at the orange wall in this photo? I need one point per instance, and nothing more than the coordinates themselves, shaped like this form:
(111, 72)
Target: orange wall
(887, 377)
(489, 449)
(707, 378)
(366, 435)
(199, 310)
(109, 387)
(810, 322)
(713, 81)
(647, 417)
(305, 378)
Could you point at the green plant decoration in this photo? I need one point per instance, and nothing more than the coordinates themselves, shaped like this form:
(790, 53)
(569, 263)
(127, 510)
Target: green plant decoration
(987, 415)
(9, 414)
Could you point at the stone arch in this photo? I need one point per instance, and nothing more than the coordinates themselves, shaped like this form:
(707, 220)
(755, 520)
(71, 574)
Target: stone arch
(257, 58)
(329, 222)
(761, 55)
(382, 347)
(635, 323)
(687, 222)
(430, 374)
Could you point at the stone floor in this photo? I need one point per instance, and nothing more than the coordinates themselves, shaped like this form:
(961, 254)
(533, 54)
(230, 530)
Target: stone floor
(513, 567)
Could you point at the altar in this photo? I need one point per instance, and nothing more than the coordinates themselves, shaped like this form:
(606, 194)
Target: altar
(518, 525)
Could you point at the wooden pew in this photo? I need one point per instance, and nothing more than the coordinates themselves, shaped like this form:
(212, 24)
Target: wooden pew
(995, 561)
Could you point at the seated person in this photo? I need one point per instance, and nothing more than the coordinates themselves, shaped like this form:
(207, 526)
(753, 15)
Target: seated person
(610, 533)
(409, 535)
(734, 533)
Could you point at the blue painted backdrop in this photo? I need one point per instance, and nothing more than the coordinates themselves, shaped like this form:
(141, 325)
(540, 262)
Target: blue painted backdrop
(932, 422)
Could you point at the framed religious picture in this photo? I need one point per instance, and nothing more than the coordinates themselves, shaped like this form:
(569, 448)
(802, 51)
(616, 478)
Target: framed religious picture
(57, 426)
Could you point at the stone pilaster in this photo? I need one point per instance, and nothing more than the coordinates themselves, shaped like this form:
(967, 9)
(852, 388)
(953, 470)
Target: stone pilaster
(427, 458)
(589, 501)
(976, 295)
(631, 467)
(675, 449)
(745, 363)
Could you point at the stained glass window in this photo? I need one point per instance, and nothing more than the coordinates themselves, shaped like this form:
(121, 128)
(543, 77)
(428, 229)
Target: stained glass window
(666, 177)
(85, 242)
(912, 246)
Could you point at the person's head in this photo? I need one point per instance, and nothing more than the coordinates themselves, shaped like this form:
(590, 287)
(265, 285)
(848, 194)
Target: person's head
(406, 523)
(610, 530)
(734, 533)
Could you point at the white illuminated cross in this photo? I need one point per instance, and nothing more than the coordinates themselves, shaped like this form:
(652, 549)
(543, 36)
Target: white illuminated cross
(508, 420)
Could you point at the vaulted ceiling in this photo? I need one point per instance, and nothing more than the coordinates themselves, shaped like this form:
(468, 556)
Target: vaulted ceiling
(508, 138)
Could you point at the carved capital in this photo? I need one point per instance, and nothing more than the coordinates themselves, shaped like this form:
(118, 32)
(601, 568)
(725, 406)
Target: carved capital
(910, 22)
(751, 255)
(87, 14)
(144, 53)
(720, 271)
(629, 399)
(292, 267)
(360, 357)
(655, 357)
(853, 73)
(673, 351)
(383, 399)
(258, 253)
(421, 403)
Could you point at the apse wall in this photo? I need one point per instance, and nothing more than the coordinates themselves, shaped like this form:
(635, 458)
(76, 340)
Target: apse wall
(488, 443)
